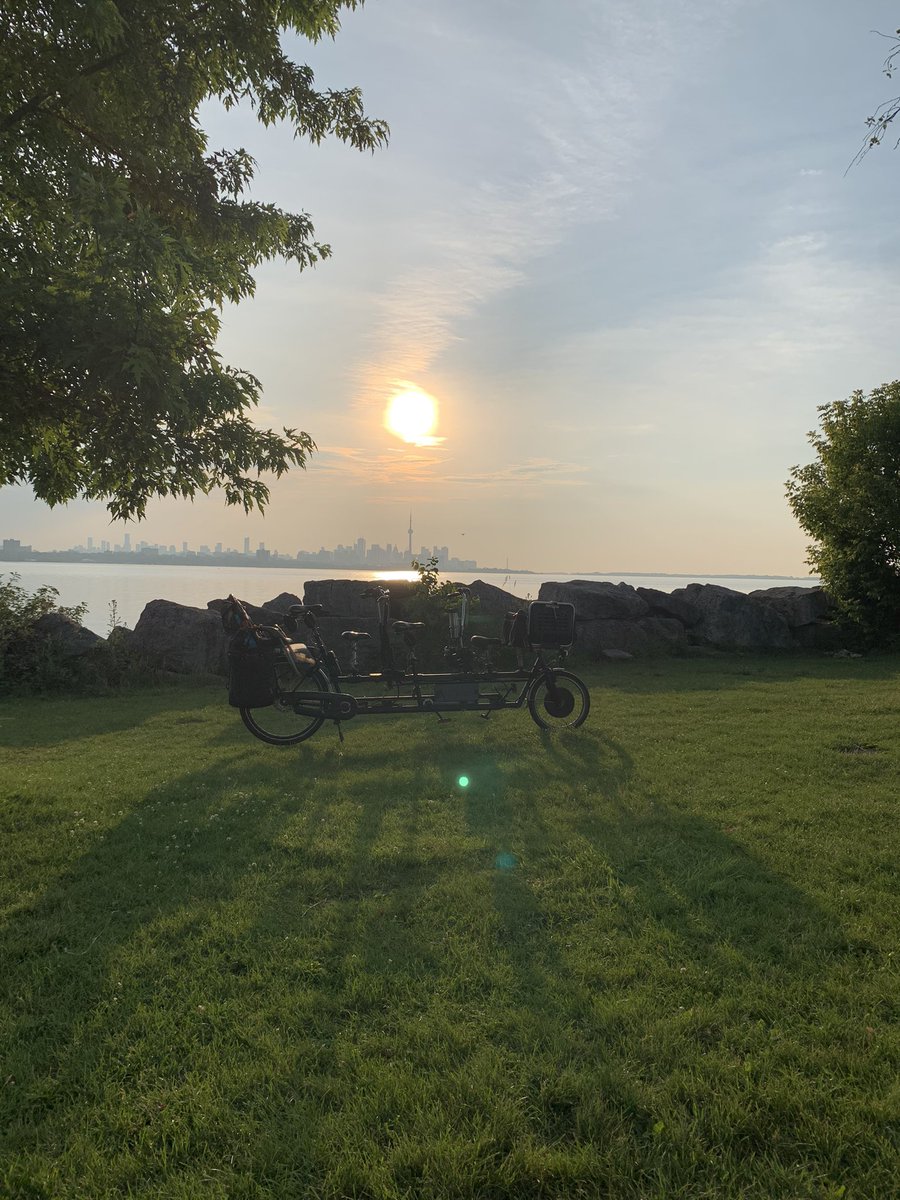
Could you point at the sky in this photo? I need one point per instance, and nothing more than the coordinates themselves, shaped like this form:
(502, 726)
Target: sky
(615, 240)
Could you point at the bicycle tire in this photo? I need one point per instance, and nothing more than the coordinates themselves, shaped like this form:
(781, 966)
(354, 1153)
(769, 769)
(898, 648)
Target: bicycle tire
(554, 711)
(278, 724)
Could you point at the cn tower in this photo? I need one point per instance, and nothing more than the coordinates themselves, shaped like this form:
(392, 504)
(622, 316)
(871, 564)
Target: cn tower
(410, 535)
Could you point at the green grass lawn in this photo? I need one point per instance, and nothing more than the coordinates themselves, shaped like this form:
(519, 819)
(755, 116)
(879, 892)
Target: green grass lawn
(656, 957)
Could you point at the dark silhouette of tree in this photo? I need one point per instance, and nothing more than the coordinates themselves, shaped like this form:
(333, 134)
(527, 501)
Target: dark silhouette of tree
(122, 234)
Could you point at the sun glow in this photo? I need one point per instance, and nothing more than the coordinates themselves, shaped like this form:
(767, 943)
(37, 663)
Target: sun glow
(412, 416)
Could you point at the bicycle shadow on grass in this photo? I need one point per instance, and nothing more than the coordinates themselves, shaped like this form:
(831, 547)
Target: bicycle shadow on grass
(674, 867)
(270, 996)
(35, 721)
(232, 908)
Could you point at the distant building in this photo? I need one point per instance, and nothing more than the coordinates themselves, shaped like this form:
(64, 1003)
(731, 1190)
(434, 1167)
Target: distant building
(13, 549)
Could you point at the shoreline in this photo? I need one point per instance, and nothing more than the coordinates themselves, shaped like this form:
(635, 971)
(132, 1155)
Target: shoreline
(177, 560)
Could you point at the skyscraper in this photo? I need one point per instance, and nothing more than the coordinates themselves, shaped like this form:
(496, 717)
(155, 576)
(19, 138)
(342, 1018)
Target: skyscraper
(410, 535)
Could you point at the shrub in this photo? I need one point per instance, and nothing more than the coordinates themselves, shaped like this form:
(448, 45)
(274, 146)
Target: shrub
(32, 662)
(848, 500)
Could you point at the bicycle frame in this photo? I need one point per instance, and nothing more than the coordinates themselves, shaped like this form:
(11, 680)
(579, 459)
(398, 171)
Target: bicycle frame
(471, 688)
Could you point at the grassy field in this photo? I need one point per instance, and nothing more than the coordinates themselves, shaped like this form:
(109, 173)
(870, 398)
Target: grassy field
(654, 958)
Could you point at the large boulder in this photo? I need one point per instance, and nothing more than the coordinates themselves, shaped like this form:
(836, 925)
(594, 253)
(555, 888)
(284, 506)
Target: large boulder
(798, 605)
(647, 637)
(670, 604)
(175, 637)
(270, 613)
(821, 635)
(595, 600)
(70, 639)
(282, 602)
(494, 601)
(733, 620)
(343, 599)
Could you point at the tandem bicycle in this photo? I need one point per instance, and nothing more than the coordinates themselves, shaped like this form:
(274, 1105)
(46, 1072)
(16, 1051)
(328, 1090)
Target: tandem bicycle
(287, 685)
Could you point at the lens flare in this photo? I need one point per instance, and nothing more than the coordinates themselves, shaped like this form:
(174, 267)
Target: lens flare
(463, 781)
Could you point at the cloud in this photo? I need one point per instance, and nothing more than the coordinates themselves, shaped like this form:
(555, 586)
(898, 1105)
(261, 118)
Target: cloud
(728, 383)
(570, 153)
(534, 472)
(371, 468)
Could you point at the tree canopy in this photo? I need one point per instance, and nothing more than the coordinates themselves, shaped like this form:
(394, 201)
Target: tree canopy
(122, 234)
(848, 500)
(880, 122)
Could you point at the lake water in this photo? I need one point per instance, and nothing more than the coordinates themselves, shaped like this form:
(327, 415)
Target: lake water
(132, 586)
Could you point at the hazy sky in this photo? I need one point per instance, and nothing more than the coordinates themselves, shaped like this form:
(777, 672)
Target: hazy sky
(613, 238)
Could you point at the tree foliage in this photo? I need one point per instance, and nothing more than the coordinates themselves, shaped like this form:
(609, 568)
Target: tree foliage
(848, 500)
(879, 123)
(122, 234)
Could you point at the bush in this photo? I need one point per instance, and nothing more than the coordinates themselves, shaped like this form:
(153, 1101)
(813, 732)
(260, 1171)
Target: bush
(34, 662)
(848, 500)
(433, 600)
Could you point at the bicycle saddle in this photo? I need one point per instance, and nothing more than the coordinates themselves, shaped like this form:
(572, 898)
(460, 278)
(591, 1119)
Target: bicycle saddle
(353, 635)
(404, 626)
(476, 638)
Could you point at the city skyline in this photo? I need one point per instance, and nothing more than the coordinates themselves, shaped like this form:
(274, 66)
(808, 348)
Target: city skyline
(359, 552)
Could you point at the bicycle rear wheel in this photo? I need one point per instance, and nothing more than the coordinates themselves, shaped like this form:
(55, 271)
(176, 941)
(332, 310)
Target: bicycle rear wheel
(562, 702)
(278, 724)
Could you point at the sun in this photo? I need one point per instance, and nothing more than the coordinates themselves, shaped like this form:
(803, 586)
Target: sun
(412, 416)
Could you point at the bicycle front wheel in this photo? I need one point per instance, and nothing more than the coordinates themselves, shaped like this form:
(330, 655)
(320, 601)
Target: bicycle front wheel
(278, 724)
(560, 701)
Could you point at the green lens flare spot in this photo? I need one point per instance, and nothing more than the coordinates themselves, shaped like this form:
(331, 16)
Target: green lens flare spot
(463, 781)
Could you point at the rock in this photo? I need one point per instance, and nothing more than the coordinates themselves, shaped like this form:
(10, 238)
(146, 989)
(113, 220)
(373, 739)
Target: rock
(282, 602)
(733, 620)
(494, 601)
(343, 598)
(820, 635)
(645, 638)
(121, 637)
(668, 604)
(174, 637)
(597, 600)
(72, 639)
(260, 615)
(798, 605)
(617, 655)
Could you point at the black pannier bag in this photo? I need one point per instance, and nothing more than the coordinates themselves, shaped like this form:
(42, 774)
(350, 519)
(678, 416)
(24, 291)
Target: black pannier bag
(551, 626)
(250, 674)
(515, 632)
